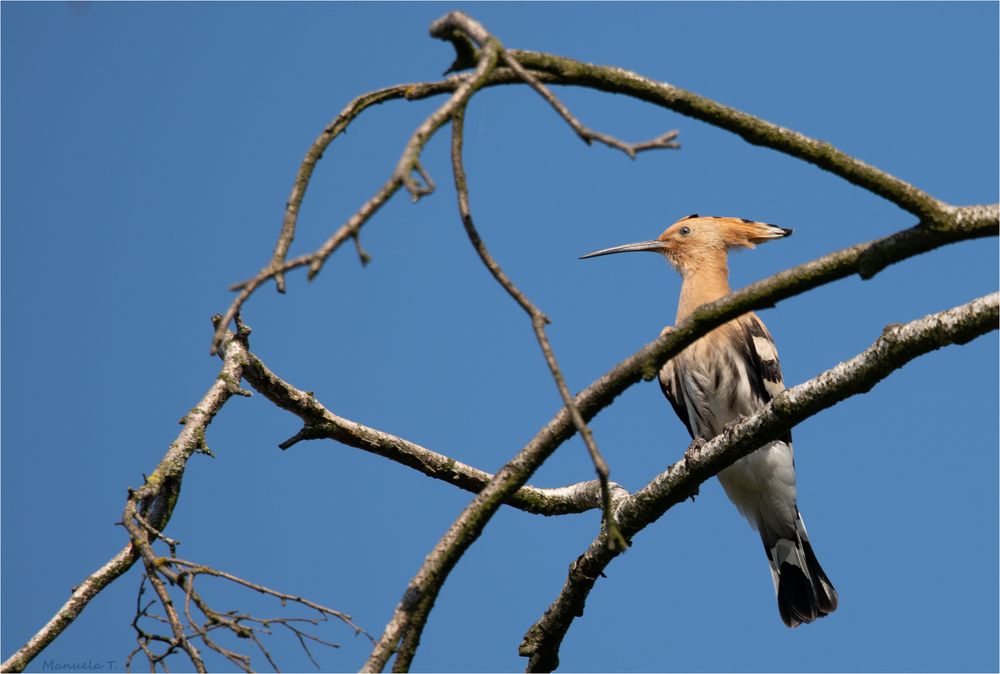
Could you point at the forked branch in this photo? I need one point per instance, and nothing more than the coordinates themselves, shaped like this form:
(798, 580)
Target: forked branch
(203, 623)
(402, 176)
(148, 507)
(321, 423)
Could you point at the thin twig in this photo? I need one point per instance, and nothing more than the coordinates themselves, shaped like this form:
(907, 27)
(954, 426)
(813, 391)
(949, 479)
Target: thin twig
(199, 569)
(897, 345)
(362, 253)
(402, 176)
(337, 126)
(588, 135)
(538, 323)
(183, 573)
(752, 129)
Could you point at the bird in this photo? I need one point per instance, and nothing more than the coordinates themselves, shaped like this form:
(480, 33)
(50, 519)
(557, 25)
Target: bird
(730, 372)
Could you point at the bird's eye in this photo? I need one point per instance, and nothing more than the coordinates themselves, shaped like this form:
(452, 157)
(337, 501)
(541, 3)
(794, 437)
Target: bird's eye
(685, 231)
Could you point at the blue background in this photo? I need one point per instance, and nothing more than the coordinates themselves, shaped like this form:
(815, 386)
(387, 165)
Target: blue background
(148, 151)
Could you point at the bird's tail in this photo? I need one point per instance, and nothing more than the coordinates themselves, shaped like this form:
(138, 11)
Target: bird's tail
(804, 591)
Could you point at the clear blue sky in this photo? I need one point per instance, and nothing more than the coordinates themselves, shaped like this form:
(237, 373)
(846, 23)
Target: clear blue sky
(148, 150)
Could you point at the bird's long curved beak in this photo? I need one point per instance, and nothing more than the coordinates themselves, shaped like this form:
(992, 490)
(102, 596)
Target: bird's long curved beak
(655, 246)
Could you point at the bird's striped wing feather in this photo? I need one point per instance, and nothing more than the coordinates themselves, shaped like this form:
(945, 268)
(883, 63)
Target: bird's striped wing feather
(672, 389)
(763, 365)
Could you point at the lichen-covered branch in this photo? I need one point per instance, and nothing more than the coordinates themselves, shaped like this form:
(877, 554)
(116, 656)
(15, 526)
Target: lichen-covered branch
(752, 129)
(149, 506)
(69, 611)
(321, 423)
(897, 345)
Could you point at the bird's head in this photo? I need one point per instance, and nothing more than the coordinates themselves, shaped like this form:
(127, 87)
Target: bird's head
(695, 241)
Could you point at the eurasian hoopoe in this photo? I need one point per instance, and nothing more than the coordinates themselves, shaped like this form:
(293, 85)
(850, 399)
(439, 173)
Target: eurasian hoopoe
(733, 371)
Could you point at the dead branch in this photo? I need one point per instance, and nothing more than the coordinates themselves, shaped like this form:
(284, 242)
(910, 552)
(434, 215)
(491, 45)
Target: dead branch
(402, 176)
(200, 620)
(321, 423)
(588, 135)
(153, 503)
(538, 322)
(336, 127)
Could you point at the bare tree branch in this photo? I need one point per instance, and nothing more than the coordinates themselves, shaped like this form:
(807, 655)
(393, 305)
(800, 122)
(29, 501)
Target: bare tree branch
(69, 611)
(553, 69)
(319, 422)
(538, 323)
(158, 496)
(195, 569)
(182, 574)
(897, 345)
(337, 126)
(588, 135)
(752, 129)
(402, 176)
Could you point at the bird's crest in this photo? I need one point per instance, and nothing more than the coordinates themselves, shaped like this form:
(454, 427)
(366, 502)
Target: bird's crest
(731, 232)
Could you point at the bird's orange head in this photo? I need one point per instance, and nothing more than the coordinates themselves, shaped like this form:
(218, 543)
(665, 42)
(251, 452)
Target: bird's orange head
(697, 241)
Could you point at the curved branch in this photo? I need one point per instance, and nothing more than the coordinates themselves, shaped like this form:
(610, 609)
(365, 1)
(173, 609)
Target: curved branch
(554, 69)
(319, 422)
(588, 135)
(337, 126)
(151, 505)
(898, 345)
(538, 322)
(752, 129)
(69, 611)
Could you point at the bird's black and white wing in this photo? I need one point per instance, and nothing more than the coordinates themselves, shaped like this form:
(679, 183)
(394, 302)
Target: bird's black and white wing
(804, 591)
(762, 358)
(762, 365)
(672, 389)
